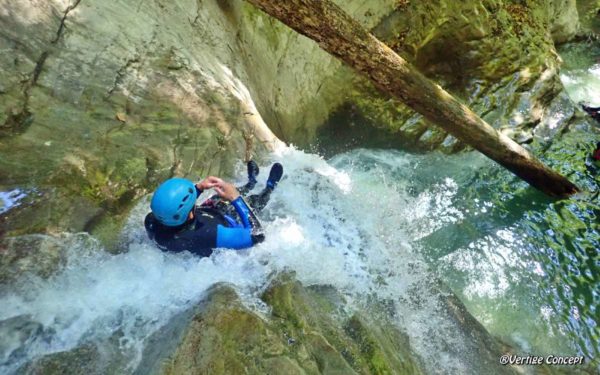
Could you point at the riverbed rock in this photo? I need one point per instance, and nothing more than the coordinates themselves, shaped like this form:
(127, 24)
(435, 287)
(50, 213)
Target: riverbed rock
(300, 330)
(33, 254)
(301, 335)
(94, 358)
(308, 330)
(39, 255)
(82, 360)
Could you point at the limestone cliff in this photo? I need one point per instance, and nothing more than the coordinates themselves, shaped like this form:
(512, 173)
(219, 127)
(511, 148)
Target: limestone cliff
(99, 101)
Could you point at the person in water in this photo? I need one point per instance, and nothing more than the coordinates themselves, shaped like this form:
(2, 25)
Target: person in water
(596, 155)
(225, 220)
(592, 111)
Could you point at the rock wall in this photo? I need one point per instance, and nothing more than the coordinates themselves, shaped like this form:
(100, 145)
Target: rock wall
(100, 101)
(497, 56)
(589, 11)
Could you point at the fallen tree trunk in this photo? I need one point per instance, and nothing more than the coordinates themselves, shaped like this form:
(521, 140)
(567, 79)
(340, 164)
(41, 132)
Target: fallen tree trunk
(342, 36)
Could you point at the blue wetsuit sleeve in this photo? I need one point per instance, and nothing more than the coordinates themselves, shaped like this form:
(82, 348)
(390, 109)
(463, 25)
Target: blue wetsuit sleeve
(234, 238)
(243, 211)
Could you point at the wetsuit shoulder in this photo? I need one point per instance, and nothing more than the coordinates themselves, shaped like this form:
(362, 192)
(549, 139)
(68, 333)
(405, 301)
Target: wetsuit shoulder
(207, 231)
(198, 239)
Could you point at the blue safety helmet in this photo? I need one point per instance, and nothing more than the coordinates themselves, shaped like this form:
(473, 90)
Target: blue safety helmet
(173, 201)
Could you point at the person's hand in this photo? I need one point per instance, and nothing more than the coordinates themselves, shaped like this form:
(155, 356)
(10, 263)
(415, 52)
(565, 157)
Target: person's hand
(227, 191)
(209, 182)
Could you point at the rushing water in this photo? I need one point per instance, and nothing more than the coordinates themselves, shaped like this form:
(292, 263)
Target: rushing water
(581, 72)
(526, 267)
(341, 222)
(349, 221)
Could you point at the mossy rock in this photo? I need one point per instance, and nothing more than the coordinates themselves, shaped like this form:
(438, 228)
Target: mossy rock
(39, 255)
(589, 12)
(498, 57)
(222, 336)
(93, 358)
(303, 335)
(82, 360)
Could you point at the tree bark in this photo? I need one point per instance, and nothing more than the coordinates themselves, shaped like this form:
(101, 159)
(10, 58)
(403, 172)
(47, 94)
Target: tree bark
(342, 36)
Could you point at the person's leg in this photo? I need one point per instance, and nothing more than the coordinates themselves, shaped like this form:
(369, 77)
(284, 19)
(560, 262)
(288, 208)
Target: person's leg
(253, 171)
(590, 110)
(224, 207)
(258, 201)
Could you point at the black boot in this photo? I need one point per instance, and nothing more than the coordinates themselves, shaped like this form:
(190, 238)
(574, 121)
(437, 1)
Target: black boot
(253, 171)
(274, 176)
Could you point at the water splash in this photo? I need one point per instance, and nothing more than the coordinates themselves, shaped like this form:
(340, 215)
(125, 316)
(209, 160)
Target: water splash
(367, 222)
(337, 223)
(11, 199)
(581, 72)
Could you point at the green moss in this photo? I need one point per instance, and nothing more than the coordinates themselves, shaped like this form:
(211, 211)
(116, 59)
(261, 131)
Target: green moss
(474, 50)
(301, 334)
(94, 168)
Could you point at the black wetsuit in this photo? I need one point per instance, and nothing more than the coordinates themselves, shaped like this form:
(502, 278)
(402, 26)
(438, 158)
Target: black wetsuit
(215, 224)
(592, 111)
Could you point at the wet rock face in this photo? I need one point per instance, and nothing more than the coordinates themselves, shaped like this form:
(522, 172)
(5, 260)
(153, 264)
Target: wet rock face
(589, 13)
(307, 330)
(94, 115)
(300, 336)
(497, 56)
(39, 256)
(90, 359)
(34, 254)
(99, 102)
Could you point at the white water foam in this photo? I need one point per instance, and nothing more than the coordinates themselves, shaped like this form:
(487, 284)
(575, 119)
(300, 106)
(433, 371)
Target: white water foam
(10, 199)
(583, 85)
(337, 223)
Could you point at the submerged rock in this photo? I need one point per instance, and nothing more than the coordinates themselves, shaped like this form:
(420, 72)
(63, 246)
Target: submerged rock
(40, 255)
(82, 360)
(34, 254)
(90, 359)
(16, 333)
